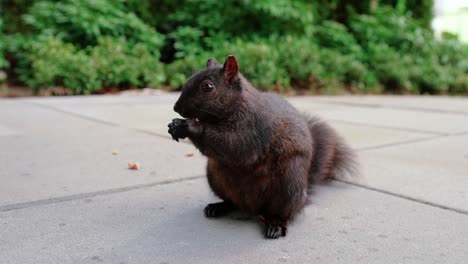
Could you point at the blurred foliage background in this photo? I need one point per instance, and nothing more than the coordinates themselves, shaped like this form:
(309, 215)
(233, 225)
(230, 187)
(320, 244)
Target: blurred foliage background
(368, 46)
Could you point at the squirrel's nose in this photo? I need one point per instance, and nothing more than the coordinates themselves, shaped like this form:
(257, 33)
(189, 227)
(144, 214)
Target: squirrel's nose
(177, 107)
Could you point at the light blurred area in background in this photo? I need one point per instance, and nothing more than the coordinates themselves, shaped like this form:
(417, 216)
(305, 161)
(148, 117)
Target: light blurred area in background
(451, 16)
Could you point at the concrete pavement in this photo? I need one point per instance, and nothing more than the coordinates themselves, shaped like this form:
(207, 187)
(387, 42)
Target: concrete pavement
(65, 198)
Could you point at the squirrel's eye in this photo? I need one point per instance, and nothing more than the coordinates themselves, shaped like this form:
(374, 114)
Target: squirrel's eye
(207, 87)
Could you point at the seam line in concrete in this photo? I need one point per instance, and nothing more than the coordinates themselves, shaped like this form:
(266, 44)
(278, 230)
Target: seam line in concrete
(406, 142)
(405, 197)
(100, 121)
(80, 196)
(391, 128)
(415, 109)
(96, 120)
(460, 133)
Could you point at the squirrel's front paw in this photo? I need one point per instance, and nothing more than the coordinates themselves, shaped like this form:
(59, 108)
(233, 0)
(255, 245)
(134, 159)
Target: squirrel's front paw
(178, 128)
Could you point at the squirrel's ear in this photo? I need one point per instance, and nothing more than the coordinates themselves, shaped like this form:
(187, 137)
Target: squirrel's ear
(230, 68)
(211, 62)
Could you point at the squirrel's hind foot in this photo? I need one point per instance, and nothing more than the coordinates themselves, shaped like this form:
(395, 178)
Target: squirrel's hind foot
(275, 231)
(218, 209)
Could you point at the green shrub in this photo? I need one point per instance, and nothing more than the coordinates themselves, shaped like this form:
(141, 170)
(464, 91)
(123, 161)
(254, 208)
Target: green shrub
(225, 21)
(86, 44)
(3, 61)
(300, 58)
(258, 61)
(459, 83)
(54, 63)
(83, 22)
(336, 36)
(361, 46)
(430, 77)
(345, 70)
(405, 56)
(242, 18)
(120, 65)
(112, 63)
(187, 41)
(451, 53)
(279, 62)
(179, 70)
(453, 56)
(18, 47)
(390, 67)
(422, 11)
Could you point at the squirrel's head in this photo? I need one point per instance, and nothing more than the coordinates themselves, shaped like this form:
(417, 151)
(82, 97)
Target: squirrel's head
(211, 94)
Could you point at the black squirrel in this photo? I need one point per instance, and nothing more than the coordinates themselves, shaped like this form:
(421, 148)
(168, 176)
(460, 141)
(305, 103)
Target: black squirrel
(263, 155)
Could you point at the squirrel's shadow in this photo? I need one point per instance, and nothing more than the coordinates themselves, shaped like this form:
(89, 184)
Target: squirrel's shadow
(189, 234)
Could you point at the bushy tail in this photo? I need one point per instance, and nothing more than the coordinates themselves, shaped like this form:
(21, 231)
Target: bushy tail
(332, 157)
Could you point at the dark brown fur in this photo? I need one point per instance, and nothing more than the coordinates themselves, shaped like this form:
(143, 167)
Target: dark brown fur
(263, 155)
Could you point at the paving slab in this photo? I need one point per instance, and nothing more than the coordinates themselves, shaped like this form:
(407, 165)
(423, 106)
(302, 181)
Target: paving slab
(165, 224)
(434, 171)
(437, 115)
(422, 122)
(57, 101)
(155, 116)
(450, 104)
(146, 117)
(364, 137)
(52, 154)
(150, 113)
(64, 198)
(359, 136)
(5, 131)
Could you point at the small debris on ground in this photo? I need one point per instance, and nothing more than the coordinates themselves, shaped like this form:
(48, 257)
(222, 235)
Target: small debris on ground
(133, 165)
(115, 152)
(189, 154)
